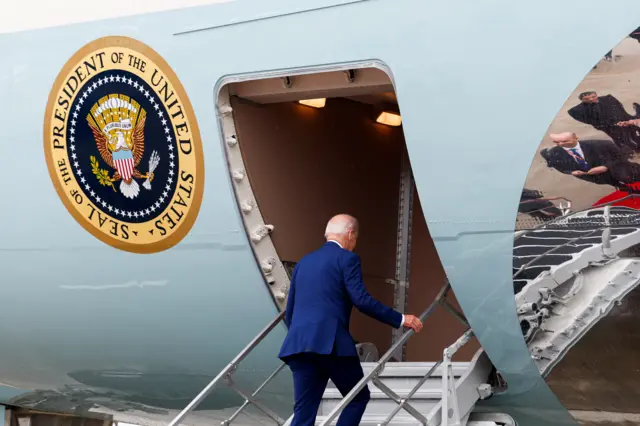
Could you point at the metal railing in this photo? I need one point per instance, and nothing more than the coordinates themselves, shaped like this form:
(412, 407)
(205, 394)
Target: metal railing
(554, 249)
(372, 376)
(606, 237)
(542, 214)
(563, 209)
(571, 214)
(226, 374)
(450, 407)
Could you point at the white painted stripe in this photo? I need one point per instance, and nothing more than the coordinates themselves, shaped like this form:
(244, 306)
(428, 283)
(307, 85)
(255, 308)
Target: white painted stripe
(33, 14)
(126, 168)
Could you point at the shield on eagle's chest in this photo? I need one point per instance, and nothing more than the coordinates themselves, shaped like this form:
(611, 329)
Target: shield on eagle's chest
(123, 161)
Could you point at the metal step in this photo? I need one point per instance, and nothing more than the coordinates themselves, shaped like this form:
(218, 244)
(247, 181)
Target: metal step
(376, 420)
(380, 404)
(401, 377)
(435, 393)
(413, 369)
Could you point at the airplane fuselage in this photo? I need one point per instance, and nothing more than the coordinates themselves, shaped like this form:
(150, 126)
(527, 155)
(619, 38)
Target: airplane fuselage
(134, 297)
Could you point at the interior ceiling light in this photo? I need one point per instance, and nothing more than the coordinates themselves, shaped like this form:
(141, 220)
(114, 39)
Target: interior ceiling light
(316, 103)
(390, 119)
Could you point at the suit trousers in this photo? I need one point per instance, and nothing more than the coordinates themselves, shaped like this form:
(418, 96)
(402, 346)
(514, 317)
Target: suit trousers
(311, 373)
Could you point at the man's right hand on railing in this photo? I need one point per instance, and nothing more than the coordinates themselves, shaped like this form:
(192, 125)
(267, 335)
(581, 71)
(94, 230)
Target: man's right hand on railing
(413, 322)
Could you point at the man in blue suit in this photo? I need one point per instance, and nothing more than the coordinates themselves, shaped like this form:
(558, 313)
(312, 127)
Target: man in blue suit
(325, 285)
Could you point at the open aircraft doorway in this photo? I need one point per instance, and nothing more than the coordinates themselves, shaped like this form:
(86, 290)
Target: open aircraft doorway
(302, 148)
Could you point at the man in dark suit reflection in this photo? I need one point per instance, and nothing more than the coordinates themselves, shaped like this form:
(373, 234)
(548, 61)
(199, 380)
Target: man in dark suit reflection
(597, 161)
(605, 113)
(325, 286)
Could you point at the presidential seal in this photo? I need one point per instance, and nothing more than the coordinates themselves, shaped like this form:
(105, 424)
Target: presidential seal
(123, 147)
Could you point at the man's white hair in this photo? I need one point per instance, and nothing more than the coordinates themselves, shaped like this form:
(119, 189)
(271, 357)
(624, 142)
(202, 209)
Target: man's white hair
(341, 225)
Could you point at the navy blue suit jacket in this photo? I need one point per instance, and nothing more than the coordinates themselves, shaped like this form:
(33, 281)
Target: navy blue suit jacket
(325, 285)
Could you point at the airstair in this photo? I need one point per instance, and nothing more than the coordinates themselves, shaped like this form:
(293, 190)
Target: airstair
(440, 393)
(570, 272)
(424, 384)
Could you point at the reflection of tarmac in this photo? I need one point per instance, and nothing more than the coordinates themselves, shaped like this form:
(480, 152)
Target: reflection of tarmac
(599, 418)
(619, 78)
(601, 372)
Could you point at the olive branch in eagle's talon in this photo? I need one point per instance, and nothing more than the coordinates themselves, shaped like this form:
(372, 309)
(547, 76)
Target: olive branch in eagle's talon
(101, 174)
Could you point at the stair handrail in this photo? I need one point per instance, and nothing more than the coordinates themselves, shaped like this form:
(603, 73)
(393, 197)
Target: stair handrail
(230, 369)
(606, 240)
(450, 397)
(566, 210)
(544, 224)
(373, 374)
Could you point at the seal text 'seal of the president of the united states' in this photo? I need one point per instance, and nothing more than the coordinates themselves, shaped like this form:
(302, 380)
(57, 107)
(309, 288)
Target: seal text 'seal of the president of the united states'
(123, 147)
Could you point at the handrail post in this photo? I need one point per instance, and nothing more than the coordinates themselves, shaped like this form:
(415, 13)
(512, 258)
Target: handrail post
(606, 234)
(449, 392)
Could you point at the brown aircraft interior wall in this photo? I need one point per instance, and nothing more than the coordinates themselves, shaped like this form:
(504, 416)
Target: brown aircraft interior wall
(307, 164)
(427, 276)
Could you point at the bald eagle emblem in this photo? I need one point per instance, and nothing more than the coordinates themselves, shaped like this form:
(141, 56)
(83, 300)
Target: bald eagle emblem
(117, 123)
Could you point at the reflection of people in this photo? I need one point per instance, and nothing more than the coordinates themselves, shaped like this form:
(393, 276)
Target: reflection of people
(324, 287)
(533, 204)
(596, 161)
(604, 113)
